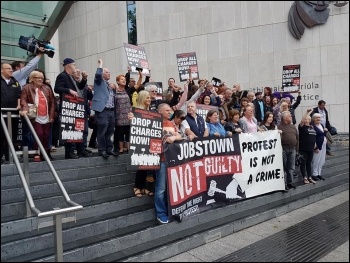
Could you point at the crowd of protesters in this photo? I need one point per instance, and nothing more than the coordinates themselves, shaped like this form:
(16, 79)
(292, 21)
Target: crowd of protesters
(108, 113)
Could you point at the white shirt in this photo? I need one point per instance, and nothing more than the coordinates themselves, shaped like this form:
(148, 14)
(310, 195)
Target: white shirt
(323, 116)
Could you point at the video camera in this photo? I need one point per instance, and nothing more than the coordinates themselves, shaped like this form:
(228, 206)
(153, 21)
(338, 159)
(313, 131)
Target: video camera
(32, 45)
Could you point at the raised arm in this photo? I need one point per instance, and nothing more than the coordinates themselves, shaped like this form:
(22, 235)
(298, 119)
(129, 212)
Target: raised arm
(296, 104)
(139, 81)
(303, 119)
(183, 98)
(99, 71)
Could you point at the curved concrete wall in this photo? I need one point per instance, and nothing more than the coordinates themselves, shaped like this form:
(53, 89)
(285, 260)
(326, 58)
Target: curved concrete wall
(238, 42)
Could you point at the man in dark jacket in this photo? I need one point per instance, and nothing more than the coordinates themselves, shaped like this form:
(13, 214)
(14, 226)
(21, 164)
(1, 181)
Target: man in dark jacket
(10, 98)
(65, 84)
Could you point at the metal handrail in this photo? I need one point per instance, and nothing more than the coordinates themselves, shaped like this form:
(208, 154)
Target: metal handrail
(29, 197)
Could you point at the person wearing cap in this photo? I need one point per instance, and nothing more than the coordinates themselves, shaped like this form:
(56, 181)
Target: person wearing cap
(65, 84)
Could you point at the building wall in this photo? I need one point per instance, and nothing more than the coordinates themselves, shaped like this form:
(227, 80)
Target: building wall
(238, 42)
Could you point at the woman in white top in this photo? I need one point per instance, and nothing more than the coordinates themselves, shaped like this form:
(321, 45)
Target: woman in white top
(319, 157)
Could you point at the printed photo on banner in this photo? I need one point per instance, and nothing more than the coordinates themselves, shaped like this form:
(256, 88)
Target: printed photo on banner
(187, 62)
(209, 171)
(203, 109)
(202, 172)
(291, 78)
(158, 86)
(146, 131)
(137, 58)
(72, 119)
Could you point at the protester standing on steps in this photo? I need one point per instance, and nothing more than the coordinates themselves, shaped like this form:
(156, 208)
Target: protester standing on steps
(65, 84)
(103, 103)
(321, 109)
(289, 140)
(10, 98)
(37, 93)
(171, 134)
(143, 101)
(307, 144)
(319, 157)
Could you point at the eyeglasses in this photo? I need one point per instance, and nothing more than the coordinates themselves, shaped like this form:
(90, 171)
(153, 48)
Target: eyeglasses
(38, 78)
(154, 91)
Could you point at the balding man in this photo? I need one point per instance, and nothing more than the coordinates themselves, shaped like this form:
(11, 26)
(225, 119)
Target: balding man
(289, 139)
(103, 103)
(170, 134)
(194, 123)
(10, 98)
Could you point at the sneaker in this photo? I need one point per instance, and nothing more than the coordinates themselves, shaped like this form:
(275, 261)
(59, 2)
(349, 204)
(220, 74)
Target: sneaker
(306, 181)
(315, 178)
(163, 219)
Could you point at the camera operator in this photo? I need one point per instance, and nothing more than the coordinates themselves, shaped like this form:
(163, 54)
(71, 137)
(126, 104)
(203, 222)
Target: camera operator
(22, 71)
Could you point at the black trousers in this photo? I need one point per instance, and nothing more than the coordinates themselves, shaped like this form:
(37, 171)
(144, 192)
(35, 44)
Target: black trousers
(4, 144)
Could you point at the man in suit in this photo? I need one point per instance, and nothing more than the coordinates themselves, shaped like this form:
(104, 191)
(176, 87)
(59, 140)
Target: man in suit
(65, 84)
(103, 103)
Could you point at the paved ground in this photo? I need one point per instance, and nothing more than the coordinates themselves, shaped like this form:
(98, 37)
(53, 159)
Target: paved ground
(229, 244)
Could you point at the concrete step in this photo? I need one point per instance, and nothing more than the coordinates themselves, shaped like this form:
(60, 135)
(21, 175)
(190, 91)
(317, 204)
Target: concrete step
(37, 178)
(163, 248)
(36, 167)
(12, 228)
(51, 189)
(97, 192)
(108, 243)
(115, 191)
(227, 219)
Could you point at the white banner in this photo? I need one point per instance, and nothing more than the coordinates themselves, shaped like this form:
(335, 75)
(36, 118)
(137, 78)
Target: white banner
(262, 163)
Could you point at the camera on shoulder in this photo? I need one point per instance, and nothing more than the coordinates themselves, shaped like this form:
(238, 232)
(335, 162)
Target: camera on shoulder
(32, 45)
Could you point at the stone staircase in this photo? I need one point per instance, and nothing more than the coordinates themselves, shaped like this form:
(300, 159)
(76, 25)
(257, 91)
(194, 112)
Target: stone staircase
(117, 226)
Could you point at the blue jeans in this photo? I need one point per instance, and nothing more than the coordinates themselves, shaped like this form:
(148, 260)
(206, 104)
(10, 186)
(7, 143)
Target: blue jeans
(160, 195)
(289, 163)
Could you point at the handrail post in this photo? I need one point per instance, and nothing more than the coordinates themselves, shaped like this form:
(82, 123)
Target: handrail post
(9, 128)
(58, 238)
(26, 176)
